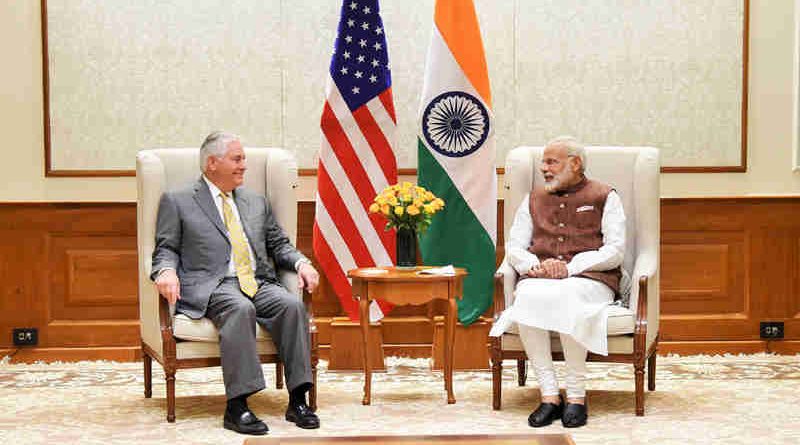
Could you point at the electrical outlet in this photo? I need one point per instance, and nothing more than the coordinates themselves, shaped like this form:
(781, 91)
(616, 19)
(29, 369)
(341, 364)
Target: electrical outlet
(771, 329)
(25, 336)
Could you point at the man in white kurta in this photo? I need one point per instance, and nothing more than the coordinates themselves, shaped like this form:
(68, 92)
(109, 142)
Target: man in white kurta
(566, 243)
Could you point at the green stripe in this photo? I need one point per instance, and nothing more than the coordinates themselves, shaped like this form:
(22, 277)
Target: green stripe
(457, 237)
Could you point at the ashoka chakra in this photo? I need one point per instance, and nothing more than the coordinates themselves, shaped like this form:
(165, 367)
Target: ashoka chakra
(455, 124)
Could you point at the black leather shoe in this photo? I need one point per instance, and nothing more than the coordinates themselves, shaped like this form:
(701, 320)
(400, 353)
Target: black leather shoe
(302, 416)
(545, 414)
(245, 423)
(575, 415)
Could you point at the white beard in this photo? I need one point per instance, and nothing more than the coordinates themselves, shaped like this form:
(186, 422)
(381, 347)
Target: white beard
(558, 181)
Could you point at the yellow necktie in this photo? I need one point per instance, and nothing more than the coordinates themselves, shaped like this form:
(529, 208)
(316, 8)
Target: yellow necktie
(241, 255)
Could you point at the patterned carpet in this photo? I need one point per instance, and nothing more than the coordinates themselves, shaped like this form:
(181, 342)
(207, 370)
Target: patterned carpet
(698, 400)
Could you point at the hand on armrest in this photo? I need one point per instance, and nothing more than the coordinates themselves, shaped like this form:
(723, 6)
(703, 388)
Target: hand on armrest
(169, 286)
(307, 277)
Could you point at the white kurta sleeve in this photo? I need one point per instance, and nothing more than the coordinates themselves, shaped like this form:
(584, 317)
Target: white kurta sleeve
(610, 254)
(519, 238)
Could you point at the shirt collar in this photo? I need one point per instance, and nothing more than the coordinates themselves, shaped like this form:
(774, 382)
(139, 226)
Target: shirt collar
(215, 191)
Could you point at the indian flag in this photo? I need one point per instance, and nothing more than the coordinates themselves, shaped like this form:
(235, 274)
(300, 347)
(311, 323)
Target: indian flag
(457, 154)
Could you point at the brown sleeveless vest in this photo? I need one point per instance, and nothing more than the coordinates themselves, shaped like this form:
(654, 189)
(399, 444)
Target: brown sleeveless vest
(568, 222)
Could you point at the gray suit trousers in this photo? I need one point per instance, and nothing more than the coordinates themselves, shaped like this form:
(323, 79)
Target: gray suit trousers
(235, 315)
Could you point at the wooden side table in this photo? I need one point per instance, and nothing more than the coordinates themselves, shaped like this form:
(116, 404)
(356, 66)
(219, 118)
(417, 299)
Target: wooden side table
(402, 287)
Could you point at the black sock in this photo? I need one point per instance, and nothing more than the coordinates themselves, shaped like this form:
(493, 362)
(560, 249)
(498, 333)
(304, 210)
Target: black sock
(238, 405)
(297, 396)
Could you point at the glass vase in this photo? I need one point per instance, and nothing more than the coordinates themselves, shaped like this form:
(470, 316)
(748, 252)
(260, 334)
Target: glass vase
(406, 249)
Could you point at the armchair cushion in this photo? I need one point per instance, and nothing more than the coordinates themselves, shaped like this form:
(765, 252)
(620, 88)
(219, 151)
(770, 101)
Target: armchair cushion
(204, 330)
(618, 344)
(620, 322)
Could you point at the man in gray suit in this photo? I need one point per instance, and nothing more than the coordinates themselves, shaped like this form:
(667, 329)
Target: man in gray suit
(215, 247)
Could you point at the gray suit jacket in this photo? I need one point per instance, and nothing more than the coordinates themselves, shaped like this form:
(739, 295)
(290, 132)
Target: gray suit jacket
(192, 239)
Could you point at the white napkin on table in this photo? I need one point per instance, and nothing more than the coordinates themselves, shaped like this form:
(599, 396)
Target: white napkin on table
(444, 270)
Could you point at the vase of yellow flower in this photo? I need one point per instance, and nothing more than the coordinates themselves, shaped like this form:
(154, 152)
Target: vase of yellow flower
(409, 209)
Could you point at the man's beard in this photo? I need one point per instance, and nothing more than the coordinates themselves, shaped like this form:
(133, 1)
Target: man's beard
(558, 182)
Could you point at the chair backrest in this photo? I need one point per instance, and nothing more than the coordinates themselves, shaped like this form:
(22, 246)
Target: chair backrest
(632, 171)
(270, 171)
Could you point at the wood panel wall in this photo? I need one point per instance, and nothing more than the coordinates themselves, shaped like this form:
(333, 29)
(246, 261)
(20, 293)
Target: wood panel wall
(726, 265)
(69, 269)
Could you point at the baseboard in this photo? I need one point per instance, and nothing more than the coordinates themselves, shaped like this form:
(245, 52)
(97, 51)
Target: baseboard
(712, 347)
(784, 347)
(30, 355)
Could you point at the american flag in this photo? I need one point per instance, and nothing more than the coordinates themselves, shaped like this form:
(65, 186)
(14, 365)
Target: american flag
(356, 159)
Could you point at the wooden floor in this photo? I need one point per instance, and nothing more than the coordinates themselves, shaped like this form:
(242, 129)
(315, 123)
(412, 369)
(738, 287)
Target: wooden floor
(511, 439)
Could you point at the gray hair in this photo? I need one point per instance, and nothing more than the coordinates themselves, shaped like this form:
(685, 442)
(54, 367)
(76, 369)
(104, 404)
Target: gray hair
(574, 148)
(216, 144)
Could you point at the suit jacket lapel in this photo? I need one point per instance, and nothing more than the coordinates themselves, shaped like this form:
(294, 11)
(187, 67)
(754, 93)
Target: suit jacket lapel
(203, 197)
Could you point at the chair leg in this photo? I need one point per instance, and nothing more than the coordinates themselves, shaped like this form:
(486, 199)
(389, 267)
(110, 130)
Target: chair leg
(651, 373)
(521, 372)
(148, 376)
(497, 377)
(639, 379)
(170, 377)
(278, 375)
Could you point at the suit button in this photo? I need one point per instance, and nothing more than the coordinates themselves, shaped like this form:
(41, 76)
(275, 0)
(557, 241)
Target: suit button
(562, 205)
(560, 224)
(560, 257)
(560, 239)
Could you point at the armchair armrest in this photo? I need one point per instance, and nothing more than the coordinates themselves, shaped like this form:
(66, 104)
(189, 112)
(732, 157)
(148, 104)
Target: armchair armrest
(644, 298)
(168, 344)
(499, 299)
(505, 281)
(289, 280)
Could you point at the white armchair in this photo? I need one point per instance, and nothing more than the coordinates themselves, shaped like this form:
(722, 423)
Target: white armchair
(174, 340)
(632, 330)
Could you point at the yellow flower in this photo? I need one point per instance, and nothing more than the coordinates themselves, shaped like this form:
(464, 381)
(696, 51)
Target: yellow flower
(405, 198)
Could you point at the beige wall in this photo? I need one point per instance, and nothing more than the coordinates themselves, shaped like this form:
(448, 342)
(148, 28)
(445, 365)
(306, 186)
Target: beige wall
(772, 29)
